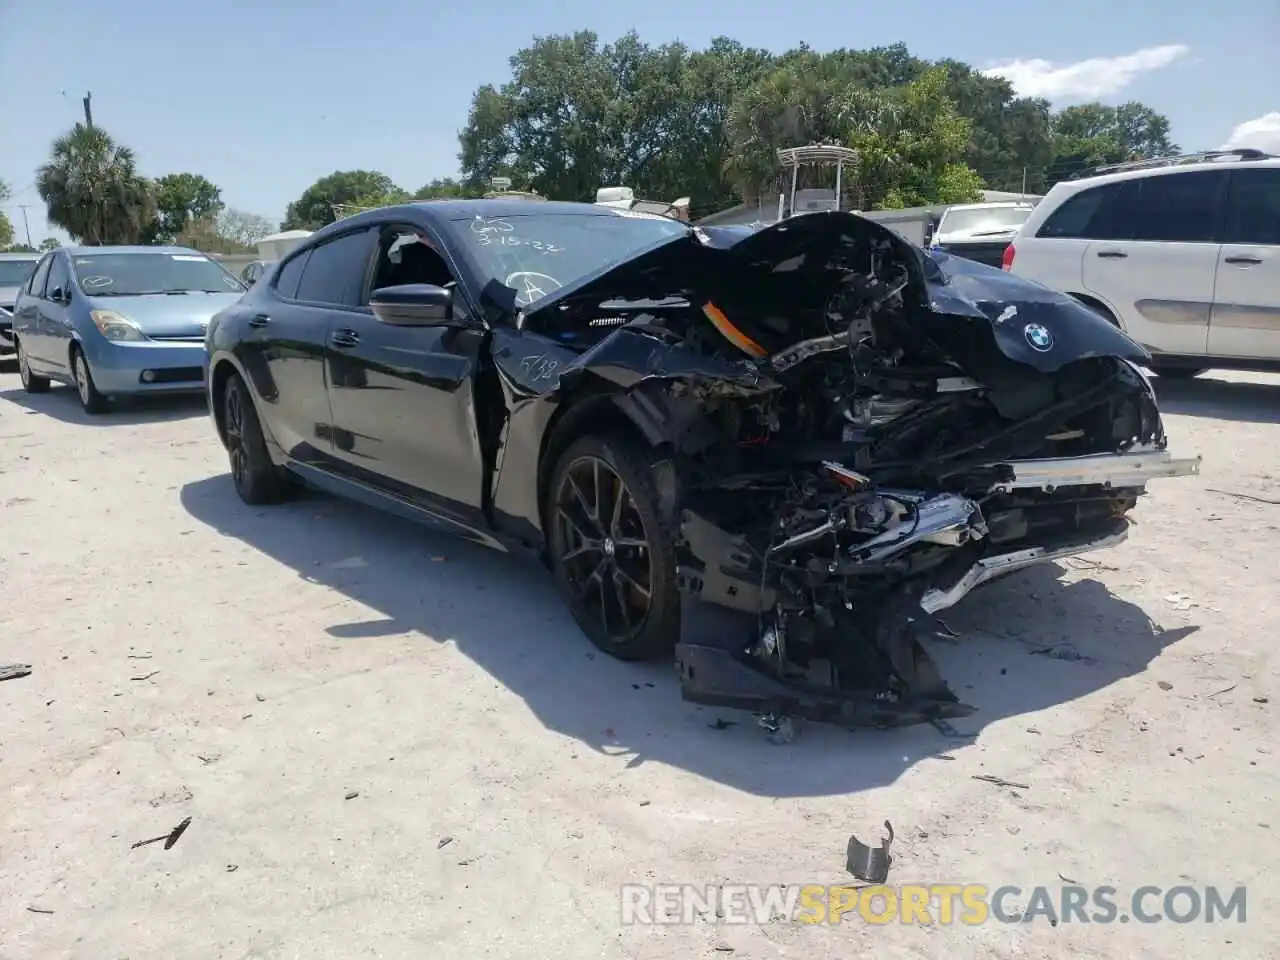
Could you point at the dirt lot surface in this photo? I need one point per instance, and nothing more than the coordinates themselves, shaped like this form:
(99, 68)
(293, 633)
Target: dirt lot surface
(396, 745)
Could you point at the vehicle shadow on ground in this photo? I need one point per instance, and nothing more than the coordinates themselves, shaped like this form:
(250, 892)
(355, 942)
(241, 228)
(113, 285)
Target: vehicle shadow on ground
(503, 613)
(1240, 401)
(61, 403)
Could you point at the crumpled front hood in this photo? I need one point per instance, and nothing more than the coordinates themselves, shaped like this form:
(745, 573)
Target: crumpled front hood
(799, 263)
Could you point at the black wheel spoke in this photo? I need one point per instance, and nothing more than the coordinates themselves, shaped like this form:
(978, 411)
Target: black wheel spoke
(620, 594)
(615, 522)
(633, 583)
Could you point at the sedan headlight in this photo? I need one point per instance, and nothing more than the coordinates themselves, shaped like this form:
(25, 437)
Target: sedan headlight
(116, 326)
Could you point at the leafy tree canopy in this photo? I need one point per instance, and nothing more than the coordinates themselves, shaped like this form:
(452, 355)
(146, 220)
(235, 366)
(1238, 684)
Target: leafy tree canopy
(342, 188)
(182, 199)
(577, 114)
(92, 189)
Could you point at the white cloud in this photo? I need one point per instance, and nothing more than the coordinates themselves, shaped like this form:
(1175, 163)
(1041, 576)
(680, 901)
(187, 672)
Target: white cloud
(1099, 77)
(1261, 134)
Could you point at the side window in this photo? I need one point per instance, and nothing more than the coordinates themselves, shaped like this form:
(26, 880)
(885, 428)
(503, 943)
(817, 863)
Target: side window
(1172, 208)
(290, 275)
(335, 271)
(1253, 212)
(36, 286)
(59, 277)
(406, 256)
(1082, 217)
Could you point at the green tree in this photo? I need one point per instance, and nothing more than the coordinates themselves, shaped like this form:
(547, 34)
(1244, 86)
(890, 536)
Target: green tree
(92, 188)
(577, 115)
(357, 188)
(181, 199)
(6, 226)
(443, 189)
(1092, 134)
(49, 243)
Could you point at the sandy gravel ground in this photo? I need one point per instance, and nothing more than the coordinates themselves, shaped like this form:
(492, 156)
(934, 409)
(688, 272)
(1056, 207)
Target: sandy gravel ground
(331, 695)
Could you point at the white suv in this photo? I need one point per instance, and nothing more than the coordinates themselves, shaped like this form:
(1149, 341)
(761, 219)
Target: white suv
(1183, 253)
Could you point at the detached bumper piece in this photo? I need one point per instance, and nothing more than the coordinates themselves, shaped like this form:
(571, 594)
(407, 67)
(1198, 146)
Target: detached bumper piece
(714, 677)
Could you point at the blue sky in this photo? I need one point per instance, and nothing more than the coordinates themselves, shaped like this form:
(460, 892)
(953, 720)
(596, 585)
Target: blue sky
(264, 97)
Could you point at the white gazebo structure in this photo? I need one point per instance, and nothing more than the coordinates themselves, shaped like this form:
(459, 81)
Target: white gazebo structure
(277, 245)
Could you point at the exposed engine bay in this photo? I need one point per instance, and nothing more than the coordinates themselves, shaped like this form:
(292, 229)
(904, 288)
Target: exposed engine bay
(858, 436)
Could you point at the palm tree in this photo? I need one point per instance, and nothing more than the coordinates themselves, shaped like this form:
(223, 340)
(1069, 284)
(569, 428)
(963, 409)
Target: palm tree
(93, 190)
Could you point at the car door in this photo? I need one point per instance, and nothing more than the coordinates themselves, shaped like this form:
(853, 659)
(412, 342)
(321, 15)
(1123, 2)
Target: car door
(403, 398)
(26, 315)
(1246, 302)
(283, 352)
(56, 317)
(1156, 266)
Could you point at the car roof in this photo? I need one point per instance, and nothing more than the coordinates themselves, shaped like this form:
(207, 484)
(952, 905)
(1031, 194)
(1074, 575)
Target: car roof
(1266, 163)
(985, 206)
(104, 251)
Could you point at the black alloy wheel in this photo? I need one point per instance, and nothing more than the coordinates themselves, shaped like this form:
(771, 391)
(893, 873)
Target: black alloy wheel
(257, 480)
(612, 556)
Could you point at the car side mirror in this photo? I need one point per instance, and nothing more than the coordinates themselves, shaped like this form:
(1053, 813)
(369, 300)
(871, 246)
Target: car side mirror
(413, 305)
(58, 295)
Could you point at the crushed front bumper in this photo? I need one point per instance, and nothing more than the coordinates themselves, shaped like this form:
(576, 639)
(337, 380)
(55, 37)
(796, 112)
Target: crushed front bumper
(715, 676)
(1130, 469)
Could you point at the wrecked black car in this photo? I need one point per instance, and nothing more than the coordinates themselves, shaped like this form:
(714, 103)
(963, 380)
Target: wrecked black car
(815, 423)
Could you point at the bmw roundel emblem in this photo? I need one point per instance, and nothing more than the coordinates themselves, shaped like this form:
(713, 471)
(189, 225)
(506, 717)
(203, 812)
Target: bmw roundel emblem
(1039, 337)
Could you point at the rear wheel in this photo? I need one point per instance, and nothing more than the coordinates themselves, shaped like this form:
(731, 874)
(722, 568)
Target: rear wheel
(257, 480)
(92, 401)
(1178, 373)
(31, 382)
(611, 554)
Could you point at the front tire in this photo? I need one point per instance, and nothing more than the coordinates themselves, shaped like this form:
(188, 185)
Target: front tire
(92, 401)
(31, 382)
(611, 553)
(257, 480)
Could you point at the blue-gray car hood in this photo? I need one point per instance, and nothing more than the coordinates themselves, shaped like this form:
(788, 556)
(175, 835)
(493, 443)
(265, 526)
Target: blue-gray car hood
(1030, 323)
(168, 315)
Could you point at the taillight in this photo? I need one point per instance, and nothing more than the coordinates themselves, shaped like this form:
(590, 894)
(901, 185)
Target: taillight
(1006, 260)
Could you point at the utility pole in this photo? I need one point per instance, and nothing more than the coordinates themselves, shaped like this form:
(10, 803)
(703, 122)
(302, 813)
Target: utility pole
(1024, 180)
(88, 112)
(25, 223)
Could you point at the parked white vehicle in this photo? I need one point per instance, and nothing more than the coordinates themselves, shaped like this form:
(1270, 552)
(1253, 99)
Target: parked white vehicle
(1182, 253)
(980, 231)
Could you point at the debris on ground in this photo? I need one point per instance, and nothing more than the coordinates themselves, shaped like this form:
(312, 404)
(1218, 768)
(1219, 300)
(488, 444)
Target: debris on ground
(1164, 685)
(146, 676)
(1245, 496)
(39, 910)
(721, 724)
(870, 864)
(169, 838)
(12, 671)
(778, 730)
(352, 794)
(232, 867)
(1261, 700)
(1181, 601)
(1218, 693)
(1000, 781)
(443, 842)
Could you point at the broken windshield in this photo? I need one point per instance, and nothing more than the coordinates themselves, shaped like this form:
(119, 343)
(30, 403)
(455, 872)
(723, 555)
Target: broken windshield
(536, 254)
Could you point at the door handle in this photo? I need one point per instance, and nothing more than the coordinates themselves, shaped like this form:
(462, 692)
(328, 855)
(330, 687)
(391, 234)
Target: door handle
(1246, 260)
(344, 339)
(258, 321)
(1112, 254)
